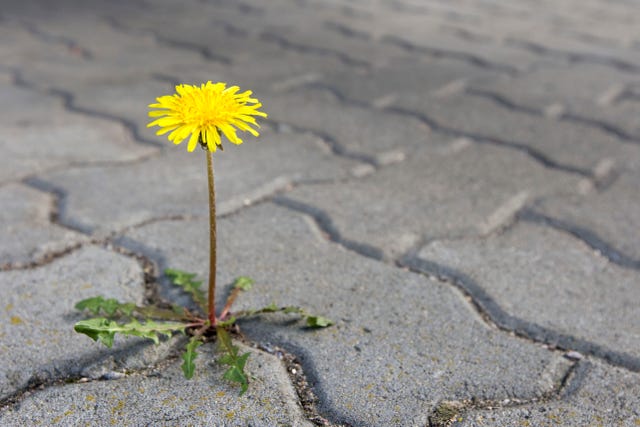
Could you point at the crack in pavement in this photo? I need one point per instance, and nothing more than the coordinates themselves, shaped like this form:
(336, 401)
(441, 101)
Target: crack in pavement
(583, 234)
(444, 53)
(506, 103)
(534, 154)
(68, 102)
(482, 302)
(574, 57)
(570, 383)
(523, 328)
(286, 44)
(67, 42)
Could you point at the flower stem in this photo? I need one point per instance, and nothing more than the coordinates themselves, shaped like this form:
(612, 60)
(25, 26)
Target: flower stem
(212, 240)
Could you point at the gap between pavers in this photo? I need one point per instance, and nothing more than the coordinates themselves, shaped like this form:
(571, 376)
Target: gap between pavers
(603, 395)
(162, 396)
(401, 343)
(37, 316)
(103, 199)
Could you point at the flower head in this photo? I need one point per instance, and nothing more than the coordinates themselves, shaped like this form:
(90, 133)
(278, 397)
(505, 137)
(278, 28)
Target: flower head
(203, 112)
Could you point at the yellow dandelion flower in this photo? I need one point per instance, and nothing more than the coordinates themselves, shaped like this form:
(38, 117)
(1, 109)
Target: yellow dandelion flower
(203, 112)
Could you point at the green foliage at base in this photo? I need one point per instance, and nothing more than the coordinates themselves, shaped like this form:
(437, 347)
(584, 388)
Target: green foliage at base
(152, 322)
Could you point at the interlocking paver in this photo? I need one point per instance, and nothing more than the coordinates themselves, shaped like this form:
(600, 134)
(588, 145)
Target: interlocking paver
(435, 196)
(385, 85)
(40, 135)
(356, 129)
(112, 197)
(557, 141)
(163, 396)
(571, 85)
(611, 214)
(412, 31)
(604, 396)
(552, 280)
(402, 341)
(28, 234)
(590, 94)
(492, 143)
(36, 321)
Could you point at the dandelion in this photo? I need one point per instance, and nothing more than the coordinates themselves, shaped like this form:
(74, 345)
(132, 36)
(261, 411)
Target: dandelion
(202, 113)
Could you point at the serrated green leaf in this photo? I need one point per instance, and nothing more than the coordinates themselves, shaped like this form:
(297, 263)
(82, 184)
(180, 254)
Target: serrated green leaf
(318, 322)
(271, 308)
(236, 363)
(98, 329)
(226, 359)
(110, 306)
(242, 360)
(104, 330)
(236, 374)
(188, 366)
(188, 284)
(243, 283)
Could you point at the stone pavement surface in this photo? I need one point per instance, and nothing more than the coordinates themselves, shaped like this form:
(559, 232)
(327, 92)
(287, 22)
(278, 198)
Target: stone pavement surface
(454, 182)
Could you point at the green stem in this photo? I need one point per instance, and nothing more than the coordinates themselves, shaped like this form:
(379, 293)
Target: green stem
(212, 240)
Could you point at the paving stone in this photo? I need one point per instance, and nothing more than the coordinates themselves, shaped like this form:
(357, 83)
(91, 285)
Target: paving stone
(356, 129)
(106, 44)
(125, 101)
(548, 278)
(611, 214)
(20, 45)
(590, 94)
(571, 85)
(109, 198)
(357, 73)
(165, 397)
(408, 30)
(36, 322)
(386, 85)
(412, 342)
(29, 235)
(553, 47)
(39, 135)
(604, 396)
(458, 193)
(621, 115)
(556, 141)
(26, 104)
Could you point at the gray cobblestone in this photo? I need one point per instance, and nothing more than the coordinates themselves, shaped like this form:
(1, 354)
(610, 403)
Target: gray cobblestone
(28, 235)
(602, 396)
(36, 321)
(163, 396)
(521, 272)
(399, 352)
(387, 210)
(492, 144)
(39, 135)
(109, 198)
(612, 215)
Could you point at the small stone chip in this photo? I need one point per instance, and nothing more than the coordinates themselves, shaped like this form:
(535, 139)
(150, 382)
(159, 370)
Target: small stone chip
(574, 355)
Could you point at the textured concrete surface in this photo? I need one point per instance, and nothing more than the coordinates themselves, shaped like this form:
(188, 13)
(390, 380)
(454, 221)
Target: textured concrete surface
(454, 183)
(406, 327)
(162, 396)
(602, 396)
(38, 341)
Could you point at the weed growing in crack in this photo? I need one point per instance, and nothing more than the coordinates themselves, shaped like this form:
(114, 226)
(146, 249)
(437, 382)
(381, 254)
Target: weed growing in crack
(203, 114)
